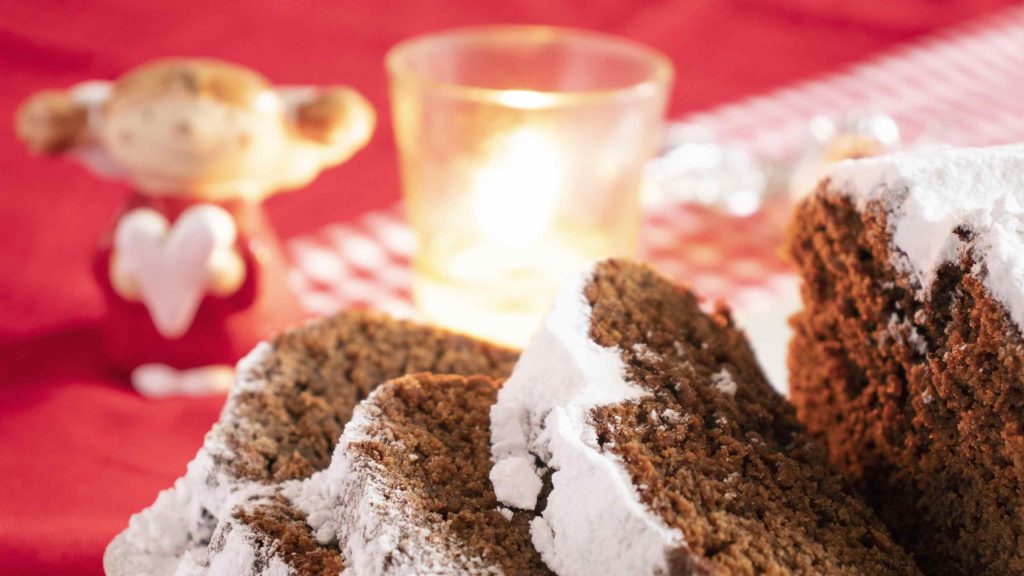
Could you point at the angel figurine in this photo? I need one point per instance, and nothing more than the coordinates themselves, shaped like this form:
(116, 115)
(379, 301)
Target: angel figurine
(192, 274)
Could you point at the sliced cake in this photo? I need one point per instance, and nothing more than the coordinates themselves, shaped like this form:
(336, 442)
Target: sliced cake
(245, 491)
(411, 482)
(908, 358)
(264, 534)
(666, 450)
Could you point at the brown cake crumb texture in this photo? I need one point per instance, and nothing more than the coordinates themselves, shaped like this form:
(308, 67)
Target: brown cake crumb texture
(314, 378)
(279, 529)
(318, 374)
(431, 434)
(737, 475)
(920, 400)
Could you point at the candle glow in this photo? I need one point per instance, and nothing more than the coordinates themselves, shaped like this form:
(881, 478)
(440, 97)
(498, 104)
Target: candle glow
(522, 152)
(517, 188)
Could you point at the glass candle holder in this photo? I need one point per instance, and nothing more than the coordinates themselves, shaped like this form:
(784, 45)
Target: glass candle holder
(522, 151)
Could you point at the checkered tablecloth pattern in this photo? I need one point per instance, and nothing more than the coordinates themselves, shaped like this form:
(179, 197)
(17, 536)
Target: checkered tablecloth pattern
(964, 86)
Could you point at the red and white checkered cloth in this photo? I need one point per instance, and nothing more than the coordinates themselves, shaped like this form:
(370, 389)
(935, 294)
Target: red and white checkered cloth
(964, 84)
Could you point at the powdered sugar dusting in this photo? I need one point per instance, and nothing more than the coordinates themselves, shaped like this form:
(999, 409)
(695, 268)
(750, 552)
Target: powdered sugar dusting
(176, 529)
(182, 521)
(248, 369)
(237, 554)
(898, 329)
(594, 521)
(375, 517)
(930, 194)
(314, 497)
(516, 482)
(644, 354)
(723, 381)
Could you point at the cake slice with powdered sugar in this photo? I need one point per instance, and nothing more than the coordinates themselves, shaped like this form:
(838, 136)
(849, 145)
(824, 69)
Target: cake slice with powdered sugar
(908, 357)
(250, 502)
(665, 449)
(410, 488)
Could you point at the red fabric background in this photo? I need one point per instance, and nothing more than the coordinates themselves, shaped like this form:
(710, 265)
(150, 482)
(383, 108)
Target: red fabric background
(79, 452)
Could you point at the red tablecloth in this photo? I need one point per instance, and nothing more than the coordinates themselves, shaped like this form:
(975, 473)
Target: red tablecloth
(79, 451)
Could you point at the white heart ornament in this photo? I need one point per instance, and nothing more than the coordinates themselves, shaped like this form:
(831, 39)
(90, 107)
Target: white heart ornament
(172, 265)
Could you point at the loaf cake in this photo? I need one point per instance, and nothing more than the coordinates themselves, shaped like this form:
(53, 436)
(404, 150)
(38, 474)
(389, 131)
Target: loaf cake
(642, 432)
(411, 479)
(244, 506)
(907, 358)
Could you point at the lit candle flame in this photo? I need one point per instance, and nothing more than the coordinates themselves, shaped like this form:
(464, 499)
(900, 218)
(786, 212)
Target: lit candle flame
(517, 190)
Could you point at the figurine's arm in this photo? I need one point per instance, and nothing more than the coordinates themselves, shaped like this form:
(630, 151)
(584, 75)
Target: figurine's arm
(227, 272)
(330, 125)
(122, 280)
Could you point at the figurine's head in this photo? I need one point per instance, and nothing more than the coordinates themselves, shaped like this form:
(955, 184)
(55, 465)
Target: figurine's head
(174, 125)
(204, 128)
